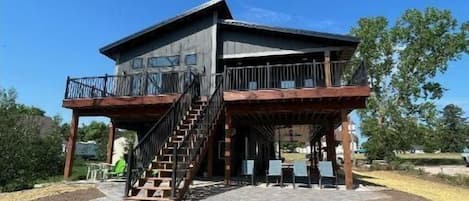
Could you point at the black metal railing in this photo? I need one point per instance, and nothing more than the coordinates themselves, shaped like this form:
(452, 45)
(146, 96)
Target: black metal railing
(191, 147)
(152, 142)
(140, 84)
(285, 76)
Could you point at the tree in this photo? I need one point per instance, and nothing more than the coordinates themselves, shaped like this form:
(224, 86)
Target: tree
(96, 131)
(453, 130)
(402, 61)
(27, 154)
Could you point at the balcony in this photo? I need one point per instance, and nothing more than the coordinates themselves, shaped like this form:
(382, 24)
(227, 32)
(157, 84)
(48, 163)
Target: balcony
(125, 90)
(313, 80)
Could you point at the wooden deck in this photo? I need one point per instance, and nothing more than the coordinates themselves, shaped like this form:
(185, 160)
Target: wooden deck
(301, 94)
(123, 101)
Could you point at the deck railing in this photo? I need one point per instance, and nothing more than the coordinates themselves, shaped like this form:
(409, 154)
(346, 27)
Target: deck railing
(285, 76)
(141, 84)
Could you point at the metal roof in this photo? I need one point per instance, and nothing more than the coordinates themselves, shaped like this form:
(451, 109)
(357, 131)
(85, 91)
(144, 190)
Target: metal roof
(108, 50)
(237, 23)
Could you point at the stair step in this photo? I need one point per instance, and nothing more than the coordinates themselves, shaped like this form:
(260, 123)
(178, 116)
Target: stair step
(162, 188)
(159, 178)
(146, 198)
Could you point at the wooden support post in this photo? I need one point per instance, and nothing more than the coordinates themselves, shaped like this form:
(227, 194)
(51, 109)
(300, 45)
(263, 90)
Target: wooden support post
(210, 156)
(330, 141)
(327, 68)
(228, 133)
(71, 146)
(347, 151)
(110, 143)
(320, 149)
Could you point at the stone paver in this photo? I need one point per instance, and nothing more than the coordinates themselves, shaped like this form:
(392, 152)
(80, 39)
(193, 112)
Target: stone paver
(210, 190)
(260, 192)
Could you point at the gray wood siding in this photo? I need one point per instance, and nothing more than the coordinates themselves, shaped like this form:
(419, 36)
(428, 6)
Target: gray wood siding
(238, 42)
(194, 37)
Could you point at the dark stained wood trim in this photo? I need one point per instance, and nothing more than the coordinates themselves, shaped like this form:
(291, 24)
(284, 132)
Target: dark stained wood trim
(71, 146)
(330, 143)
(306, 93)
(119, 101)
(228, 138)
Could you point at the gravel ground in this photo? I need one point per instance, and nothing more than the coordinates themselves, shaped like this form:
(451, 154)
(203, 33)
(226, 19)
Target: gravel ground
(79, 195)
(446, 169)
(400, 196)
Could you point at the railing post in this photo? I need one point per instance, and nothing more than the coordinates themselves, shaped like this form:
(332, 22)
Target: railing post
(105, 86)
(327, 68)
(174, 176)
(269, 72)
(128, 182)
(225, 75)
(66, 87)
(145, 83)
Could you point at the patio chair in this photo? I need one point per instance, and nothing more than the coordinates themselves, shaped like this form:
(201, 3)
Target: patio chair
(247, 169)
(275, 170)
(300, 170)
(326, 171)
(117, 170)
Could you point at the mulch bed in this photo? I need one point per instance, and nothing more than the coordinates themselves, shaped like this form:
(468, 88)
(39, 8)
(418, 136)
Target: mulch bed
(79, 195)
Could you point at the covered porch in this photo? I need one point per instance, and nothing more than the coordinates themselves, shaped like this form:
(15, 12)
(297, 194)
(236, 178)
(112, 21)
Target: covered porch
(253, 132)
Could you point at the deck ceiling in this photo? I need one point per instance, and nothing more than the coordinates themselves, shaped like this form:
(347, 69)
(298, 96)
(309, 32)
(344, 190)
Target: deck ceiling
(287, 118)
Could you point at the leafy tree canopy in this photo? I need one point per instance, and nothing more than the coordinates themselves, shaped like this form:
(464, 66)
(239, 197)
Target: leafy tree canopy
(403, 60)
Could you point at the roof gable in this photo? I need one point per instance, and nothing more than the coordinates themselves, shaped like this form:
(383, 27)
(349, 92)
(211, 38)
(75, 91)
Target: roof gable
(289, 31)
(218, 5)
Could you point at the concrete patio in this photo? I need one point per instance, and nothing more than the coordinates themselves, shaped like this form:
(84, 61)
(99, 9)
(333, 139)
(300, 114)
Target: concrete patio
(215, 190)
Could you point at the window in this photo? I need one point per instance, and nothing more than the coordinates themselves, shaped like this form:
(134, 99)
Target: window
(137, 63)
(164, 61)
(191, 59)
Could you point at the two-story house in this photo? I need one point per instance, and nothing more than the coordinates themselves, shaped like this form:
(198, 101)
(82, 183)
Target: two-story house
(201, 87)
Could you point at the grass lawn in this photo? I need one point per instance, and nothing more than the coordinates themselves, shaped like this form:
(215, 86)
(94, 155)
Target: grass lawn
(431, 190)
(290, 157)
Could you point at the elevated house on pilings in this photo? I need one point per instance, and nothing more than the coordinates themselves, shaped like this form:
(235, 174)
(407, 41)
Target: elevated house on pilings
(201, 89)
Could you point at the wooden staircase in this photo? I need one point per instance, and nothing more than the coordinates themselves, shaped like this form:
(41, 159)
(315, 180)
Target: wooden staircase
(161, 166)
(157, 181)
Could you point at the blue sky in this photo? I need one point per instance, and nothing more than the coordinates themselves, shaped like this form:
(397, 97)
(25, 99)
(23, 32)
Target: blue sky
(42, 42)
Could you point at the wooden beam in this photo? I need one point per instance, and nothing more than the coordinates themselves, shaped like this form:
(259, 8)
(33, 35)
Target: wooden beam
(347, 151)
(119, 101)
(228, 153)
(71, 146)
(304, 93)
(325, 106)
(330, 141)
(110, 142)
(327, 68)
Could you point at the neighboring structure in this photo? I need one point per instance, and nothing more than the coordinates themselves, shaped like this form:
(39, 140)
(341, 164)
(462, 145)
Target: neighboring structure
(202, 82)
